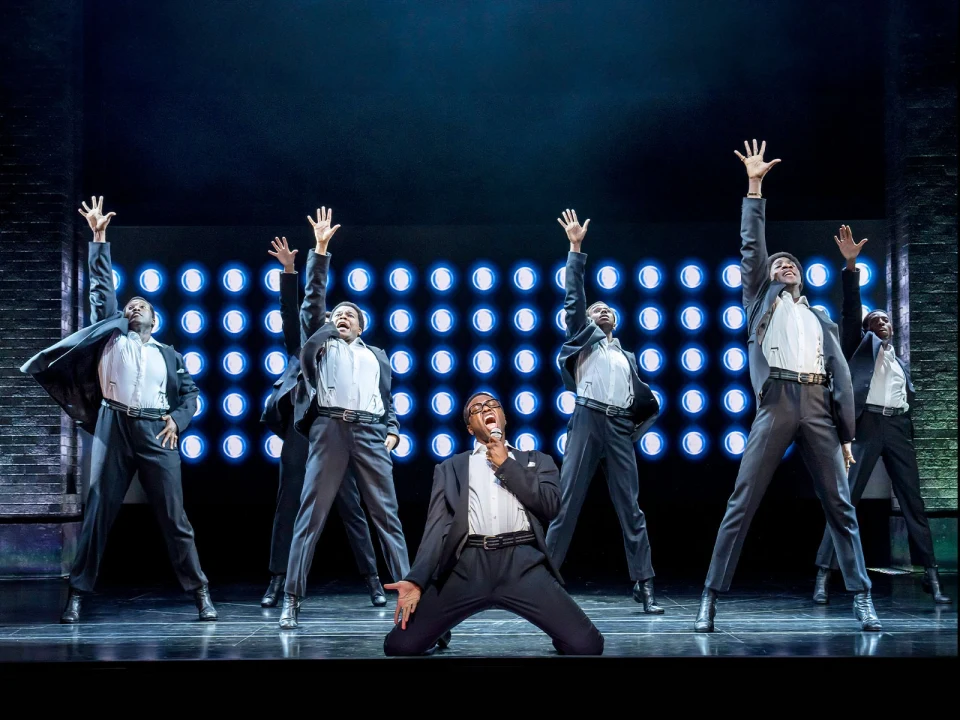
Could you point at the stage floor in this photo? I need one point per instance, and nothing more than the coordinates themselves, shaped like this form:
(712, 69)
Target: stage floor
(337, 621)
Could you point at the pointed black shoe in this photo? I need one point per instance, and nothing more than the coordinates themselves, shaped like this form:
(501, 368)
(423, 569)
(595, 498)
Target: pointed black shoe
(71, 611)
(377, 596)
(708, 611)
(643, 593)
(821, 587)
(931, 586)
(272, 596)
(865, 613)
(290, 612)
(444, 640)
(201, 597)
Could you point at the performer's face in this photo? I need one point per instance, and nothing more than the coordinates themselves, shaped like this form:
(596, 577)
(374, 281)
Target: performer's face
(484, 417)
(347, 322)
(603, 316)
(139, 314)
(785, 270)
(879, 323)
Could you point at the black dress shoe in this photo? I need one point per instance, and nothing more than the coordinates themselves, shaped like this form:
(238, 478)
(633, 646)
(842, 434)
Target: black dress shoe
(377, 596)
(204, 604)
(71, 611)
(272, 596)
(444, 640)
(643, 593)
(708, 611)
(865, 613)
(290, 612)
(931, 585)
(821, 587)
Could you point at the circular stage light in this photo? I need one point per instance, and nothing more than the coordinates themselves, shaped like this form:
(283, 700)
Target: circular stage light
(526, 361)
(824, 310)
(442, 278)
(234, 322)
(650, 277)
(402, 403)
(234, 363)
(734, 317)
(483, 278)
(401, 362)
(735, 442)
(234, 280)
(651, 360)
(694, 443)
(693, 402)
(560, 320)
(660, 398)
(194, 362)
(525, 320)
(525, 403)
(818, 274)
(443, 362)
(652, 444)
(404, 448)
(735, 401)
(866, 273)
(735, 359)
(272, 446)
(192, 280)
(151, 280)
(484, 320)
(691, 317)
(691, 276)
(192, 322)
(608, 277)
(864, 311)
(192, 446)
(442, 445)
(561, 444)
(117, 279)
(650, 318)
(275, 362)
(484, 362)
(271, 279)
(560, 277)
(442, 404)
(234, 446)
(566, 402)
(234, 404)
(525, 278)
(693, 359)
(442, 320)
(273, 322)
(359, 279)
(731, 276)
(401, 321)
(400, 279)
(201, 406)
(158, 322)
(527, 441)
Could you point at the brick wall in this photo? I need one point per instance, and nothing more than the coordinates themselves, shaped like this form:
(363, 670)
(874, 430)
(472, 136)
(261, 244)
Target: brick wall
(922, 212)
(40, 123)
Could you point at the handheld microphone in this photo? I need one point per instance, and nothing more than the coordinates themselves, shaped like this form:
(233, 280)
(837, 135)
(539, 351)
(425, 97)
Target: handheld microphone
(496, 433)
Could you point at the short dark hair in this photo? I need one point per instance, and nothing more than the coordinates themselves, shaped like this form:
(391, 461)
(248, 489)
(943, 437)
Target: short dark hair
(601, 302)
(873, 313)
(140, 297)
(466, 407)
(354, 306)
(792, 258)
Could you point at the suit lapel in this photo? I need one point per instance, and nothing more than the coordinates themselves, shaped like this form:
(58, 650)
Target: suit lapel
(875, 341)
(173, 385)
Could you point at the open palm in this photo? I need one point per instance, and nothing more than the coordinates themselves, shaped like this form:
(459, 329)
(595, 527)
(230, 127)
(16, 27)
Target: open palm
(95, 218)
(753, 160)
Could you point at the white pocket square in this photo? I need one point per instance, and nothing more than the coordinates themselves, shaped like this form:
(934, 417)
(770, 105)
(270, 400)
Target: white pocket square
(531, 464)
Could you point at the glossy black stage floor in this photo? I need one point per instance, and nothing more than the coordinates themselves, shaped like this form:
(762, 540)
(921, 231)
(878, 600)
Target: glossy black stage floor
(338, 622)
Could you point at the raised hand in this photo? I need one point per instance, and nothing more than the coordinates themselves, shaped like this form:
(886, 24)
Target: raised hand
(282, 252)
(95, 218)
(321, 228)
(848, 247)
(753, 160)
(496, 452)
(571, 226)
(406, 603)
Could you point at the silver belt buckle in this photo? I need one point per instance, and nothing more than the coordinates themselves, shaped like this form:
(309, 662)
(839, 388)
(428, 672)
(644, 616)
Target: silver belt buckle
(888, 412)
(803, 378)
(485, 538)
(350, 416)
(134, 411)
(610, 411)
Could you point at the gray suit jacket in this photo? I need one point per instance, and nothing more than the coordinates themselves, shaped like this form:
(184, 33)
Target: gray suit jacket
(537, 488)
(69, 370)
(759, 295)
(279, 406)
(315, 330)
(582, 332)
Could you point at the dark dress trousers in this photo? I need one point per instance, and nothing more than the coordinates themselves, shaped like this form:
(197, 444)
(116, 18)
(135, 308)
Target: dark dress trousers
(889, 437)
(458, 582)
(278, 417)
(337, 447)
(122, 445)
(818, 417)
(594, 438)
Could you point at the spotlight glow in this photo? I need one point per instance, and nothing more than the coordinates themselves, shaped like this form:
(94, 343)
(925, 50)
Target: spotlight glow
(442, 404)
(824, 310)
(234, 446)
(866, 273)
(525, 278)
(400, 279)
(151, 280)
(560, 277)
(401, 321)
(442, 445)
(273, 322)
(271, 279)
(359, 279)
(735, 442)
(608, 277)
(693, 359)
(442, 279)
(272, 446)
(443, 362)
(402, 403)
(234, 404)
(651, 360)
(560, 320)
(693, 402)
(117, 279)
(525, 320)
(158, 322)
(234, 322)
(194, 362)
(691, 276)
(650, 277)
(483, 278)
(234, 280)
(735, 359)
(527, 441)
(234, 363)
(442, 320)
(864, 311)
(691, 317)
(201, 406)
(731, 276)
(526, 403)
(694, 443)
(652, 444)
(561, 444)
(818, 274)
(275, 362)
(401, 362)
(192, 446)
(734, 317)
(484, 320)
(735, 401)
(659, 397)
(404, 448)
(192, 322)
(484, 362)
(192, 280)
(526, 361)
(566, 402)
(650, 318)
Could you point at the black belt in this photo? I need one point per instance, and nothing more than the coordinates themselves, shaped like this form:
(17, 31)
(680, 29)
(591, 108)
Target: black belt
(350, 416)
(135, 412)
(802, 378)
(881, 410)
(608, 410)
(496, 542)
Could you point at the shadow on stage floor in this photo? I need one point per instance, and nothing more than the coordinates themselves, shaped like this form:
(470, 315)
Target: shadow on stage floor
(338, 625)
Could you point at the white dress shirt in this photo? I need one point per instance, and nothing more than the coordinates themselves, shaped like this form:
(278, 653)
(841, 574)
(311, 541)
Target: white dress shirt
(133, 372)
(889, 384)
(493, 510)
(603, 374)
(350, 377)
(794, 339)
